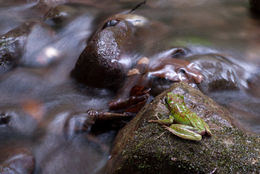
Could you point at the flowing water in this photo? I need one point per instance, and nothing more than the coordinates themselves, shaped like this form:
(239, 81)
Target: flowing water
(40, 96)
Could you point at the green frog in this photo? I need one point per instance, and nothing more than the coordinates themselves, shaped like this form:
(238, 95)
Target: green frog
(183, 122)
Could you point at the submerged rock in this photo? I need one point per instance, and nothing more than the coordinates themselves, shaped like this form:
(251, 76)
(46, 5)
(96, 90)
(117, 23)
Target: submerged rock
(59, 14)
(143, 147)
(62, 14)
(12, 46)
(219, 73)
(18, 161)
(18, 45)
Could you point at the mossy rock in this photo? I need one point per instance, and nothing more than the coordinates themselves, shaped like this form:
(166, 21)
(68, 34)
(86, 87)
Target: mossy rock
(143, 147)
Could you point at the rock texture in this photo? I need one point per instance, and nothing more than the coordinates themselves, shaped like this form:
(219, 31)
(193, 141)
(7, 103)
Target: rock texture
(143, 147)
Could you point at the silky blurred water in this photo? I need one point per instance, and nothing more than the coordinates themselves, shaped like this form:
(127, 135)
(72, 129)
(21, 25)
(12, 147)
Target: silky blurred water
(41, 99)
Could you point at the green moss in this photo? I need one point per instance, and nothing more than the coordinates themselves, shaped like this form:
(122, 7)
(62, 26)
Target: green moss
(143, 166)
(151, 149)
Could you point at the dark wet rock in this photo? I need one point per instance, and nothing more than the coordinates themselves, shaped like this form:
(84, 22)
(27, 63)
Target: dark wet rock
(4, 118)
(143, 147)
(16, 161)
(255, 5)
(12, 46)
(165, 71)
(18, 45)
(93, 121)
(17, 122)
(62, 14)
(59, 14)
(111, 51)
(219, 73)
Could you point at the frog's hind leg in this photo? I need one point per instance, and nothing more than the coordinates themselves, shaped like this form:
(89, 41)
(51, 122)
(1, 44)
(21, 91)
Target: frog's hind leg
(184, 131)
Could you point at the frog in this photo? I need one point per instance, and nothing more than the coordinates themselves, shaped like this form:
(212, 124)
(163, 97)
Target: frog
(183, 122)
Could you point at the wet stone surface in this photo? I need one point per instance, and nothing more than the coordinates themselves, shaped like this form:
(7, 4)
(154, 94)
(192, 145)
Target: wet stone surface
(143, 147)
(110, 51)
(12, 46)
(219, 73)
(16, 160)
(18, 48)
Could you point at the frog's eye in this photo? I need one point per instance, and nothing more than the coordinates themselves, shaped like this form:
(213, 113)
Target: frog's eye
(111, 23)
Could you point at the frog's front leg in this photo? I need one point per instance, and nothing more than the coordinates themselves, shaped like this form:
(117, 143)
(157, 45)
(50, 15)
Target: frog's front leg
(163, 121)
(184, 131)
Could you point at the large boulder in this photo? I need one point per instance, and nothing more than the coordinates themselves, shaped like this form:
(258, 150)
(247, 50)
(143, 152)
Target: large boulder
(143, 147)
(255, 5)
(109, 53)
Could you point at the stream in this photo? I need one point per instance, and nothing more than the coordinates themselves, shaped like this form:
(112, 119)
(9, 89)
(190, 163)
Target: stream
(39, 96)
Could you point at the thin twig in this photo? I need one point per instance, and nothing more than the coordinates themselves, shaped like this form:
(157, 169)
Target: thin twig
(137, 6)
(213, 171)
(160, 135)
